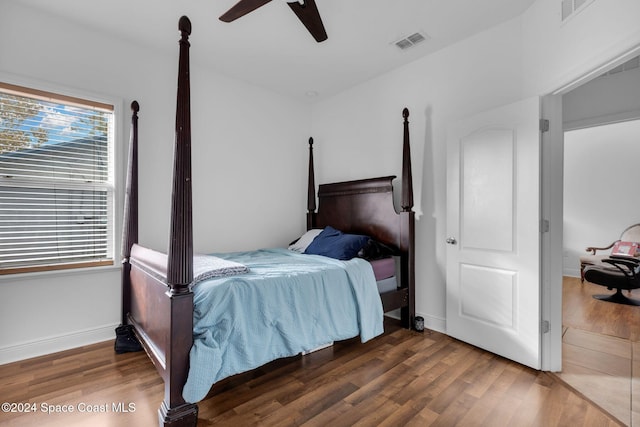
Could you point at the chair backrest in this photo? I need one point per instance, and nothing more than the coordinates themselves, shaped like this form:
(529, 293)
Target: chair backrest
(631, 234)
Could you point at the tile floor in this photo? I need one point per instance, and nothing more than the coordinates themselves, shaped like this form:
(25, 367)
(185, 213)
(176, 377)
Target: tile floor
(601, 368)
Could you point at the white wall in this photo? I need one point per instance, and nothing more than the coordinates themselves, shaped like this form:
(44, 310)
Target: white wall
(606, 99)
(249, 145)
(597, 202)
(359, 133)
(556, 53)
(531, 55)
(599, 187)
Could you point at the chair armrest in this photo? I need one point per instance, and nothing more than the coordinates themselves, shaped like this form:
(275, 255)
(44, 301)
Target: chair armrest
(630, 259)
(626, 265)
(593, 249)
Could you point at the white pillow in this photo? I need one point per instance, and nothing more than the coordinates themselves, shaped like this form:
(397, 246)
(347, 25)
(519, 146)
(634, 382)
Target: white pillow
(301, 244)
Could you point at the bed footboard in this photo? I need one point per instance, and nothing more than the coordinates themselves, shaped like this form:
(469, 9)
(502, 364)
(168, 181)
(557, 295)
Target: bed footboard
(163, 322)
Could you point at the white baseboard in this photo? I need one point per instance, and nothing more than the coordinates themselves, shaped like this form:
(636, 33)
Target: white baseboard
(53, 344)
(434, 323)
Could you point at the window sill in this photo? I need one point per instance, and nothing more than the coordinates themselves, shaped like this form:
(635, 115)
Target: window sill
(31, 275)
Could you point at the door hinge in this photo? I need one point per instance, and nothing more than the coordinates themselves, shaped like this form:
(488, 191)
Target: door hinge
(545, 326)
(544, 125)
(544, 225)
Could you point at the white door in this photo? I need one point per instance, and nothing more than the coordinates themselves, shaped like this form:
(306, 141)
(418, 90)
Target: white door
(493, 231)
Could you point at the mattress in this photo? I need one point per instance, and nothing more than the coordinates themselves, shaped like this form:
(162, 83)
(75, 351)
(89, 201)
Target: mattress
(386, 285)
(383, 268)
(287, 303)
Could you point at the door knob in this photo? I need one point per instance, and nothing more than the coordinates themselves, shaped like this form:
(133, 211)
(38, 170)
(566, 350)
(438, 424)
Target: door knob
(451, 240)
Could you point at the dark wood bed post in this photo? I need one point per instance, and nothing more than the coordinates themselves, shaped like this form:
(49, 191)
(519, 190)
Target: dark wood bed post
(130, 221)
(174, 411)
(180, 253)
(311, 189)
(407, 179)
(408, 226)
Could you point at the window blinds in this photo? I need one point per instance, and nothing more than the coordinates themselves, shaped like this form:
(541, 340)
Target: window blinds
(56, 181)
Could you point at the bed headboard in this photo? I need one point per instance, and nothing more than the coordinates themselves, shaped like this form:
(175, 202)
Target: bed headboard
(362, 207)
(366, 206)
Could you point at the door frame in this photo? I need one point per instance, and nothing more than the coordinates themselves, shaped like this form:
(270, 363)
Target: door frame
(552, 171)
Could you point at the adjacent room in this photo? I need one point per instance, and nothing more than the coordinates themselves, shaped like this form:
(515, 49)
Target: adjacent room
(464, 146)
(601, 337)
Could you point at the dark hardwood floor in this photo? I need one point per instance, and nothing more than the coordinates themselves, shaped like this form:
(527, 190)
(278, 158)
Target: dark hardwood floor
(401, 378)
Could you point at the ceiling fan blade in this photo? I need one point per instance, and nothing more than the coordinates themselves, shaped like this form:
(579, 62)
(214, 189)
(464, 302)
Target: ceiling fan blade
(308, 14)
(242, 8)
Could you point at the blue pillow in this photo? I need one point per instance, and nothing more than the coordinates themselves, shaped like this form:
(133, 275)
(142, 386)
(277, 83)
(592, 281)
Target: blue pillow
(336, 244)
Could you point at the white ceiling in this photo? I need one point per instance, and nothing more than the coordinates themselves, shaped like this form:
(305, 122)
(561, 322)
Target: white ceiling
(271, 48)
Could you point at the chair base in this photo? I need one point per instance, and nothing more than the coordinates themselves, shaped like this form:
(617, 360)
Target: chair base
(618, 298)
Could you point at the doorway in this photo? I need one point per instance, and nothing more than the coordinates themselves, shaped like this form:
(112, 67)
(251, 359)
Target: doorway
(600, 340)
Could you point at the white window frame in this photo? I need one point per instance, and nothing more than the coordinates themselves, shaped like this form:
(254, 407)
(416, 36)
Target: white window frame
(113, 186)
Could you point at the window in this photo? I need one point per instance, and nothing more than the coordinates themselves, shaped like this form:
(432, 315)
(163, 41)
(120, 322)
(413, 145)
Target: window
(56, 181)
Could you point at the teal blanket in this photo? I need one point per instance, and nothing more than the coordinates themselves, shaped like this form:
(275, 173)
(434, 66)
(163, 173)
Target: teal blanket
(286, 304)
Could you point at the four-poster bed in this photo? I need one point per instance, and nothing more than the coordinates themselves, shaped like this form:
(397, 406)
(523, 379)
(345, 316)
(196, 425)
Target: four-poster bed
(158, 294)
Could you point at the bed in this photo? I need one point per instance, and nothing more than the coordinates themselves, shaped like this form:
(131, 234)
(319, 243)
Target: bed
(163, 304)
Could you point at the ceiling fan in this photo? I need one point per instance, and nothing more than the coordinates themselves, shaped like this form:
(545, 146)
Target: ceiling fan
(305, 10)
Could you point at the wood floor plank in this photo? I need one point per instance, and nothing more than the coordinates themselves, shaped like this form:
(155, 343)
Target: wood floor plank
(374, 411)
(400, 378)
(457, 407)
(581, 311)
(330, 416)
(486, 371)
(401, 416)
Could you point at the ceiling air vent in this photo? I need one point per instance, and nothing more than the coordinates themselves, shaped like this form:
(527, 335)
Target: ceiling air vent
(410, 41)
(571, 7)
(631, 64)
